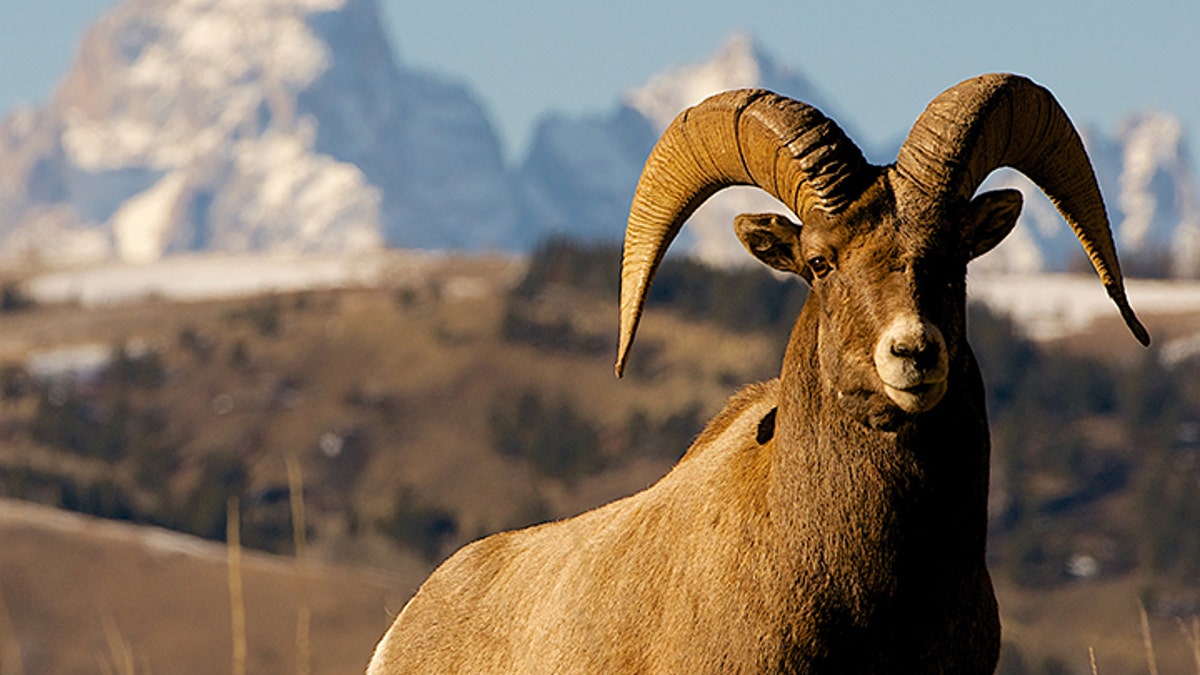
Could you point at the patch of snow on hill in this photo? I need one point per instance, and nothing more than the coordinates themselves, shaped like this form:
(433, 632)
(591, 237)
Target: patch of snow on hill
(71, 362)
(1179, 350)
(14, 512)
(1050, 306)
(205, 277)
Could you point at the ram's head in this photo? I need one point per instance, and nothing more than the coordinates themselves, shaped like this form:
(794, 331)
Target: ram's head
(885, 249)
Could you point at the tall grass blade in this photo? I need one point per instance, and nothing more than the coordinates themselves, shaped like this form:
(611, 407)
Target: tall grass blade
(237, 603)
(1191, 633)
(11, 659)
(300, 537)
(1148, 641)
(119, 650)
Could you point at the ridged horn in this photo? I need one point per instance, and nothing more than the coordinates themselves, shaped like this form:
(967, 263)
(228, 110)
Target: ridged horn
(999, 120)
(743, 137)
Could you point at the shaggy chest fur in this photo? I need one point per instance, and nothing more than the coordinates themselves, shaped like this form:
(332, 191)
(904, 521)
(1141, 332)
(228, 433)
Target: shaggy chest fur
(886, 529)
(892, 571)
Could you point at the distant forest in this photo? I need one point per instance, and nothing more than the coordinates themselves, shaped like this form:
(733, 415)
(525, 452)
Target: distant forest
(1096, 467)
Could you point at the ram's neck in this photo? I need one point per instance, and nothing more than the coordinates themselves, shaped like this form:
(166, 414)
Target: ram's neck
(863, 508)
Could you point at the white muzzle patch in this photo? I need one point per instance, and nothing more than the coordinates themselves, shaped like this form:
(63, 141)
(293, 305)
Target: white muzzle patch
(911, 359)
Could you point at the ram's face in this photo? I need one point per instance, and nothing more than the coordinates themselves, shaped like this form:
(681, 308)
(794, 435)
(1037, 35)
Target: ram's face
(889, 287)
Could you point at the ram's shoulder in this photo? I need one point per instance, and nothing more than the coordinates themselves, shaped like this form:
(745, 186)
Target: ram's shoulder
(748, 418)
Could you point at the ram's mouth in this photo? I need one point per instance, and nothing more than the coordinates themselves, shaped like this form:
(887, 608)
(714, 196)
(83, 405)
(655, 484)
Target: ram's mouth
(917, 398)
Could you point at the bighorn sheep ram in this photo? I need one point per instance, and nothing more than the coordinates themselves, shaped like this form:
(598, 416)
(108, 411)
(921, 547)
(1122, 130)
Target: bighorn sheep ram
(831, 520)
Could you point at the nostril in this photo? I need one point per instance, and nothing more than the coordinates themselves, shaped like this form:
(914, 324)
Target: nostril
(929, 357)
(924, 354)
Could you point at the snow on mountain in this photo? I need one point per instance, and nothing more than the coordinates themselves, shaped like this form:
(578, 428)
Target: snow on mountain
(1158, 202)
(275, 125)
(1144, 174)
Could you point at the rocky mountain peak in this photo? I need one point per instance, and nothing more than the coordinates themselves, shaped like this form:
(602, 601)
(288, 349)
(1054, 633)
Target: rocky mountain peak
(1157, 191)
(237, 125)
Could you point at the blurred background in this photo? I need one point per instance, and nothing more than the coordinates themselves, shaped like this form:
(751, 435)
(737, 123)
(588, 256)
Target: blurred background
(298, 296)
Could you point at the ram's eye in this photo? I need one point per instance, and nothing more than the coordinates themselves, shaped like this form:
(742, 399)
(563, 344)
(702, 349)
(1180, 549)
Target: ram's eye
(819, 266)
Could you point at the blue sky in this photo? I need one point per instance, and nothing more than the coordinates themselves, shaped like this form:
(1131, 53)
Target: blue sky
(880, 61)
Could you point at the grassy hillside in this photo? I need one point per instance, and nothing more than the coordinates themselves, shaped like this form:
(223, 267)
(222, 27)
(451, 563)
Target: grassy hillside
(478, 396)
(78, 594)
(395, 400)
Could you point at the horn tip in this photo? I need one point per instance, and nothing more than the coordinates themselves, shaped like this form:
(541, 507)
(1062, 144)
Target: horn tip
(1116, 292)
(623, 354)
(1139, 331)
(1135, 325)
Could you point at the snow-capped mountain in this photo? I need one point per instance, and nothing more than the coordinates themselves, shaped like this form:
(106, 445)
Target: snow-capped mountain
(280, 125)
(289, 126)
(581, 172)
(739, 62)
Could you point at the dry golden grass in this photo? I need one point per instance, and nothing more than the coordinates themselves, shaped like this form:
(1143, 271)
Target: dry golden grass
(120, 659)
(82, 591)
(1191, 633)
(1190, 630)
(1096, 622)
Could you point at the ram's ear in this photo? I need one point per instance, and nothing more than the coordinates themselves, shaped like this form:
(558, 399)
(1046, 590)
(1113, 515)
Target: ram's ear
(773, 239)
(990, 217)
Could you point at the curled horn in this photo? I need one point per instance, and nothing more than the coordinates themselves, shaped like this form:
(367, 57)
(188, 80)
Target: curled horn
(743, 137)
(999, 120)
